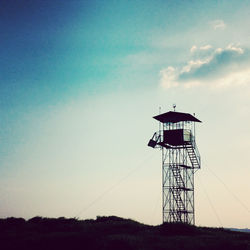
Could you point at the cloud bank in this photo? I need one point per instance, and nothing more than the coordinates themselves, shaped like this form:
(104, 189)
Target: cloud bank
(216, 67)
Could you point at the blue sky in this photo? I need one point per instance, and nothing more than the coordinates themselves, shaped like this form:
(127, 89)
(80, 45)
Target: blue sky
(79, 83)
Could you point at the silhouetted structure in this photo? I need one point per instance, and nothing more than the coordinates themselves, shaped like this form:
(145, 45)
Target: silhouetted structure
(180, 160)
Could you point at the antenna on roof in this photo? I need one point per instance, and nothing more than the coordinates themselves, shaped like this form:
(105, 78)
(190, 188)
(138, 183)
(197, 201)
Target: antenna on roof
(174, 106)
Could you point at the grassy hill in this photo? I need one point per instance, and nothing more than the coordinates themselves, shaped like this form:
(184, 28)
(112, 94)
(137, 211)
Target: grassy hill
(114, 233)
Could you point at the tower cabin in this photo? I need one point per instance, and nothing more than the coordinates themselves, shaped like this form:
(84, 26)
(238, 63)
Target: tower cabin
(177, 129)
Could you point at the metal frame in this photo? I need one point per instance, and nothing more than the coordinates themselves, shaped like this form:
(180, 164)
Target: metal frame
(179, 164)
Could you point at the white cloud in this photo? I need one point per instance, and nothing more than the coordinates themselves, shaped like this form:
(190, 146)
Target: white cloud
(238, 78)
(193, 49)
(193, 65)
(169, 77)
(206, 47)
(234, 48)
(220, 68)
(218, 24)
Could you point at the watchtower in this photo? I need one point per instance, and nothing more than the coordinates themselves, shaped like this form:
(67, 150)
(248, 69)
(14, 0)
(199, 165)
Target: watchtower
(180, 160)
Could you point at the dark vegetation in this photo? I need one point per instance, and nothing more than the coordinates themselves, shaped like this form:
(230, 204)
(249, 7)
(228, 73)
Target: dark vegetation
(113, 233)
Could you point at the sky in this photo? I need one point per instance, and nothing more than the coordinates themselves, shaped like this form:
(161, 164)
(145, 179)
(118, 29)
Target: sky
(79, 84)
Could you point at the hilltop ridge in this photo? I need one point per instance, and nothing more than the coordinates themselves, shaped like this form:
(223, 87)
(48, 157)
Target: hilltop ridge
(113, 232)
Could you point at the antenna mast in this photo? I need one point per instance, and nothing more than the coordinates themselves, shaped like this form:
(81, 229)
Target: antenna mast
(174, 106)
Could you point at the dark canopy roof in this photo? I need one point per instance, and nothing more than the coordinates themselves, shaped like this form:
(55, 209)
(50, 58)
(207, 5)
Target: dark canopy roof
(174, 117)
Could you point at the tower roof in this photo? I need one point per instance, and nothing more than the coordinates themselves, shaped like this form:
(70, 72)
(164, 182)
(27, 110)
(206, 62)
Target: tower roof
(174, 117)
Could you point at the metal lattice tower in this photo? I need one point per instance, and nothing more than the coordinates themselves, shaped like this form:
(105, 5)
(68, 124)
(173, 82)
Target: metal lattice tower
(180, 160)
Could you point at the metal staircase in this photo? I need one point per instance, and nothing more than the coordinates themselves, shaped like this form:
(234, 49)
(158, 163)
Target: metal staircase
(177, 174)
(177, 191)
(180, 191)
(193, 154)
(180, 206)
